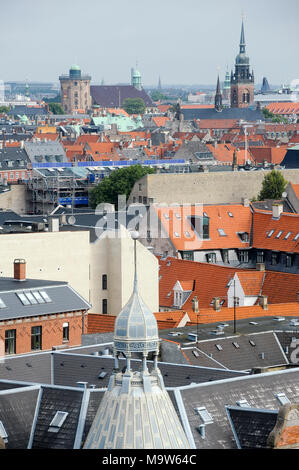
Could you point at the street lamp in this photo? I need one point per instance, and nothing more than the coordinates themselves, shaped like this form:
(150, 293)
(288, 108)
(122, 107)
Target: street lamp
(245, 126)
(236, 302)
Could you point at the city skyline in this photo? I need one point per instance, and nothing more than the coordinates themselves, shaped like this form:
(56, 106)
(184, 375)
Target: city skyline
(180, 43)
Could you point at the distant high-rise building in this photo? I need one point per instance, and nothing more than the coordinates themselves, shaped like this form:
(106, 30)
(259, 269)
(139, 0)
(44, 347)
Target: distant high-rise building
(75, 91)
(242, 80)
(159, 84)
(265, 86)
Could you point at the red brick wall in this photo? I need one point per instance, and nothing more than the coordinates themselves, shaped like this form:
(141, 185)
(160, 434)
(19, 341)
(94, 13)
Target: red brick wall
(52, 330)
(240, 89)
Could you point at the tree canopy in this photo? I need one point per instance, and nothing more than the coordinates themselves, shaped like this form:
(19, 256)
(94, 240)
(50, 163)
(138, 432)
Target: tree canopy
(117, 183)
(134, 106)
(156, 95)
(56, 108)
(273, 186)
(274, 117)
(4, 109)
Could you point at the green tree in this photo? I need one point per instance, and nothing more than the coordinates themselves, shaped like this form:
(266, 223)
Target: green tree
(117, 183)
(134, 106)
(273, 186)
(274, 117)
(55, 108)
(156, 95)
(4, 109)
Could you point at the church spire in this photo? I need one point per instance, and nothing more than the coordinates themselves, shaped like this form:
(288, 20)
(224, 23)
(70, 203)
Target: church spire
(242, 39)
(218, 96)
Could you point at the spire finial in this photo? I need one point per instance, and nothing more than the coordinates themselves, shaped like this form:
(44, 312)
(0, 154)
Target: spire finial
(135, 236)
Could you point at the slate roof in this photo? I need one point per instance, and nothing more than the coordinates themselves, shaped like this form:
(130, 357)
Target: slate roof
(27, 110)
(32, 368)
(45, 152)
(245, 355)
(15, 156)
(70, 369)
(17, 408)
(53, 400)
(63, 298)
(113, 96)
(251, 427)
(247, 114)
(258, 389)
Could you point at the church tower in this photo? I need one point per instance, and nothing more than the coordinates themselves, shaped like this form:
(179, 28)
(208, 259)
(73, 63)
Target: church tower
(136, 411)
(242, 80)
(218, 97)
(136, 78)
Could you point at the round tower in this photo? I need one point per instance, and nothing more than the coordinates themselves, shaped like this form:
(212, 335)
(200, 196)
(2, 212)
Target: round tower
(136, 79)
(75, 91)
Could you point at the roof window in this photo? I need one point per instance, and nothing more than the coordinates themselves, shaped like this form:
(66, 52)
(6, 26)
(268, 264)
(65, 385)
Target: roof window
(221, 232)
(251, 342)
(282, 398)
(270, 233)
(243, 403)
(166, 216)
(204, 414)
(176, 234)
(236, 345)
(2, 304)
(230, 214)
(296, 237)
(287, 235)
(279, 234)
(219, 347)
(177, 215)
(187, 234)
(57, 421)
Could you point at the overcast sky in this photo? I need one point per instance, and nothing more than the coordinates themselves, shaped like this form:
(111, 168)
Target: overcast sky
(183, 41)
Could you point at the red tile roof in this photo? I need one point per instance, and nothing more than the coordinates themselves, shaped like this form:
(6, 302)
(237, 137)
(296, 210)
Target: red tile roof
(183, 237)
(269, 154)
(266, 231)
(295, 189)
(217, 123)
(252, 283)
(100, 323)
(197, 106)
(160, 120)
(225, 152)
(283, 108)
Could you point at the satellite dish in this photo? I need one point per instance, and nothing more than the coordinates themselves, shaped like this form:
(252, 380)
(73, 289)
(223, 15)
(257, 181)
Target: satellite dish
(71, 220)
(284, 194)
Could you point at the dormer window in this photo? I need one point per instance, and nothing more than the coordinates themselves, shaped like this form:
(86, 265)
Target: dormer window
(244, 236)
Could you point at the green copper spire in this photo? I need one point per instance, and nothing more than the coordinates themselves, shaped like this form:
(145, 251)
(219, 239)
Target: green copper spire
(242, 39)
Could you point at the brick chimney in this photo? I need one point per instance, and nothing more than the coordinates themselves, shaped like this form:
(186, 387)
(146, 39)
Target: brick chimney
(19, 269)
(277, 209)
(195, 304)
(263, 301)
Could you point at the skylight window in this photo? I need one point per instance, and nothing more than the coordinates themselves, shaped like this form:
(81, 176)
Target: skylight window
(45, 296)
(38, 297)
(204, 414)
(279, 234)
(236, 345)
(205, 214)
(230, 214)
(57, 421)
(270, 233)
(23, 299)
(166, 216)
(282, 398)
(219, 347)
(195, 353)
(3, 432)
(177, 215)
(243, 403)
(2, 304)
(251, 342)
(287, 235)
(187, 234)
(296, 237)
(30, 297)
(176, 234)
(221, 232)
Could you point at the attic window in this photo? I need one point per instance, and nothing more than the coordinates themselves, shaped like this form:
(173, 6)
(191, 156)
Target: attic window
(236, 345)
(3, 432)
(176, 234)
(282, 398)
(251, 342)
(205, 214)
(169, 294)
(287, 235)
(2, 304)
(230, 214)
(57, 421)
(187, 234)
(195, 353)
(296, 237)
(219, 347)
(243, 403)
(270, 233)
(279, 233)
(204, 414)
(221, 232)
(102, 375)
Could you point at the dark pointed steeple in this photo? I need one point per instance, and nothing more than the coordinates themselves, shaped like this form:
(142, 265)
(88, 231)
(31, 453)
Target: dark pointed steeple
(242, 39)
(218, 96)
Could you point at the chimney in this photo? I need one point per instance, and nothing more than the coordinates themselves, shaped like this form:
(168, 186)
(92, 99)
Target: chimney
(216, 303)
(195, 304)
(20, 270)
(277, 209)
(53, 224)
(263, 301)
(245, 202)
(260, 266)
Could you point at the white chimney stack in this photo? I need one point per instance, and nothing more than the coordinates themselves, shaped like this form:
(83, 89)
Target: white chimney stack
(277, 209)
